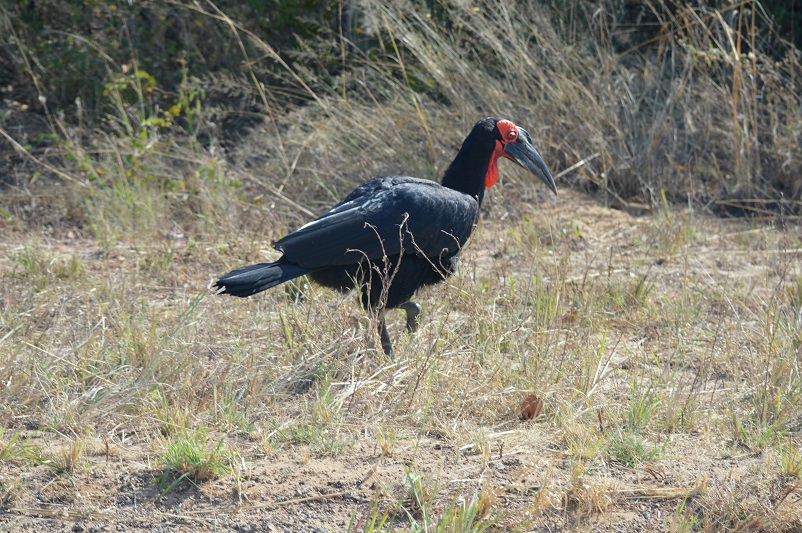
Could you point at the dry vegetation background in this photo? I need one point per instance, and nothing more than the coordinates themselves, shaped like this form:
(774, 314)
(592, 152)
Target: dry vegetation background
(150, 146)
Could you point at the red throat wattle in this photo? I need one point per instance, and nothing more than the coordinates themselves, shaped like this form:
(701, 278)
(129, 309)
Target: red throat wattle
(509, 133)
(491, 177)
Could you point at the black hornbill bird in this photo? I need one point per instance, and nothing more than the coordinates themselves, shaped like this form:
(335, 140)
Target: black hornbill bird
(394, 234)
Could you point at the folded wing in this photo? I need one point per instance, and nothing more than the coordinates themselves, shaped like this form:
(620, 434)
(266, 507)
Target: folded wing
(384, 217)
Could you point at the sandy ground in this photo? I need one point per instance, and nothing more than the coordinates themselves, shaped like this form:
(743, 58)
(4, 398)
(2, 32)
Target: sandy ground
(528, 467)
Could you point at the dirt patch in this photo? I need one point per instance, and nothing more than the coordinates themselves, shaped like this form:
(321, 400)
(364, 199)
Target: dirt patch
(444, 421)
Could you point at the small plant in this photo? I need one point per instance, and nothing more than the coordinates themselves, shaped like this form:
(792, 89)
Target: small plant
(463, 515)
(790, 461)
(587, 496)
(9, 490)
(70, 457)
(595, 366)
(377, 518)
(583, 441)
(17, 449)
(642, 407)
(192, 456)
(685, 520)
(419, 495)
(41, 268)
(682, 410)
(322, 440)
(793, 290)
(673, 231)
(631, 450)
(481, 446)
(325, 408)
(229, 411)
(386, 439)
(174, 418)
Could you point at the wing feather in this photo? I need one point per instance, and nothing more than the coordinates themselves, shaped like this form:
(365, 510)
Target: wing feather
(385, 216)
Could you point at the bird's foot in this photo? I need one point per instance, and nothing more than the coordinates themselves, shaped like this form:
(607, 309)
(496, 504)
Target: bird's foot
(413, 311)
(384, 335)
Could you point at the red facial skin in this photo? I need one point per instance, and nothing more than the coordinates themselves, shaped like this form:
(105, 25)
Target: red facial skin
(509, 133)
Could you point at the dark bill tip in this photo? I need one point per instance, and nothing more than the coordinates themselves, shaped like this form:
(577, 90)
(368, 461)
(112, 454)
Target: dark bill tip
(522, 152)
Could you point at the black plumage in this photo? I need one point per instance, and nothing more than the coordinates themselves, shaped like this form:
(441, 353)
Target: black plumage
(394, 234)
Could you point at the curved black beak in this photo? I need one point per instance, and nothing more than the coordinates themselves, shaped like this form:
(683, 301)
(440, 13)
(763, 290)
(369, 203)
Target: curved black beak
(522, 152)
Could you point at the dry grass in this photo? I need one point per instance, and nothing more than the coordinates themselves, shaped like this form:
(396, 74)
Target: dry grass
(664, 350)
(694, 381)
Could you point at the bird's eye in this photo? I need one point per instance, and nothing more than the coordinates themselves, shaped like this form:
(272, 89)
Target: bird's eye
(508, 130)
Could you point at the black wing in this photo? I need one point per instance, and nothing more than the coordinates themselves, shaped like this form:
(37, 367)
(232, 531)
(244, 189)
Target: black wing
(385, 216)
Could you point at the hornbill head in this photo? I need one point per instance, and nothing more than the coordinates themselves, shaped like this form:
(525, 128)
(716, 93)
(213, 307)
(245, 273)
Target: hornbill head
(515, 144)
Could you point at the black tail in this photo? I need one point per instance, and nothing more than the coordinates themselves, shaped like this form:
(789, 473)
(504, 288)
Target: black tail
(251, 279)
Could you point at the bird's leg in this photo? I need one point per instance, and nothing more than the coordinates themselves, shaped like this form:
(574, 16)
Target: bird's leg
(384, 335)
(413, 312)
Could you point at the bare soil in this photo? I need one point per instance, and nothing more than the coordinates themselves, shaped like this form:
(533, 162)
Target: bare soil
(527, 471)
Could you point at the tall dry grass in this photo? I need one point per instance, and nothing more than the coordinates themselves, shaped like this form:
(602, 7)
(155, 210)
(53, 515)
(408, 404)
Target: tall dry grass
(706, 110)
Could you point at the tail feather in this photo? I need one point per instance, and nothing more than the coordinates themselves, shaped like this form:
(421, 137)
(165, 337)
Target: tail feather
(251, 279)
